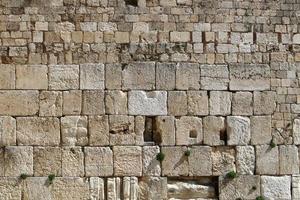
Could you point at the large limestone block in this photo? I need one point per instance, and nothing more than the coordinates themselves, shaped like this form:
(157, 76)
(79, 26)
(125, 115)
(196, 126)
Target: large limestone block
(93, 102)
(267, 160)
(72, 161)
(147, 103)
(38, 131)
(19, 103)
(127, 160)
(72, 102)
(165, 130)
(220, 103)
(238, 130)
(116, 102)
(113, 76)
(165, 76)
(175, 162)
(7, 76)
(91, 76)
(189, 130)
(51, 103)
(47, 160)
(264, 102)
(10, 189)
(214, 130)
(296, 131)
(242, 103)
(7, 131)
(295, 187)
(74, 130)
(139, 76)
(177, 103)
(70, 188)
(63, 77)
(245, 159)
(273, 187)
(288, 159)
(223, 159)
(98, 161)
(187, 76)
(200, 153)
(261, 130)
(32, 77)
(249, 77)
(151, 166)
(18, 160)
(214, 77)
(121, 129)
(242, 187)
(98, 131)
(153, 188)
(36, 188)
(197, 103)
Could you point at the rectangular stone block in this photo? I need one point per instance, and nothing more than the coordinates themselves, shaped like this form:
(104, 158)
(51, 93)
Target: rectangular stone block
(72, 161)
(153, 188)
(165, 130)
(113, 76)
(242, 103)
(139, 76)
(51, 103)
(288, 159)
(47, 160)
(238, 130)
(72, 102)
(214, 130)
(10, 189)
(113, 190)
(74, 131)
(147, 103)
(223, 159)
(189, 130)
(165, 76)
(187, 76)
(7, 131)
(32, 77)
(93, 102)
(173, 163)
(7, 76)
(220, 103)
(214, 77)
(180, 36)
(264, 103)
(63, 77)
(91, 76)
(127, 161)
(273, 187)
(261, 130)
(245, 159)
(197, 103)
(43, 131)
(98, 161)
(121, 130)
(98, 131)
(295, 187)
(97, 188)
(177, 103)
(116, 102)
(151, 166)
(267, 160)
(19, 103)
(198, 153)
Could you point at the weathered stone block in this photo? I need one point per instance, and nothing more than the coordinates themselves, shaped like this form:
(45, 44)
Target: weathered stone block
(63, 77)
(116, 102)
(151, 166)
(214, 130)
(70, 188)
(7, 76)
(91, 76)
(38, 131)
(267, 160)
(10, 188)
(189, 131)
(153, 188)
(295, 187)
(223, 160)
(32, 77)
(165, 76)
(238, 130)
(197, 154)
(47, 160)
(139, 129)
(288, 159)
(261, 130)
(98, 161)
(245, 159)
(98, 131)
(197, 103)
(18, 160)
(147, 103)
(273, 187)
(130, 188)
(7, 131)
(72, 102)
(187, 76)
(93, 102)
(220, 103)
(72, 161)
(74, 130)
(19, 103)
(242, 103)
(296, 131)
(127, 161)
(121, 129)
(165, 130)
(177, 103)
(175, 162)
(214, 77)
(180, 36)
(264, 103)
(113, 76)
(97, 188)
(139, 76)
(51, 103)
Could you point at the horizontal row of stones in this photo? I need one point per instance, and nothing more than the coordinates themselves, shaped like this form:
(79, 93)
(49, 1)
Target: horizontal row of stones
(146, 161)
(132, 188)
(137, 76)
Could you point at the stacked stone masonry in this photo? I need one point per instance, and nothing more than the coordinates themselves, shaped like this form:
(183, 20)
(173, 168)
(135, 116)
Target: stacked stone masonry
(149, 100)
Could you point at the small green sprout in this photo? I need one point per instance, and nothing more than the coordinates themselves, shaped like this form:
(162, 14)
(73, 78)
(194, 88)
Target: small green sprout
(160, 156)
(260, 198)
(187, 153)
(24, 176)
(51, 178)
(231, 175)
(272, 144)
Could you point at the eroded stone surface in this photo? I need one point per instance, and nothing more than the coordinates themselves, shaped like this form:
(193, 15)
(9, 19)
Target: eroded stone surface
(276, 187)
(74, 130)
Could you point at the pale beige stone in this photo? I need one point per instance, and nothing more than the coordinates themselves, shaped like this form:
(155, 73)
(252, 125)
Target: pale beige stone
(113, 76)
(19, 103)
(127, 160)
(98, 130)
(189, 130)
(7, 76)
(180, 36)
(223, 160)
(187, 76)
(273, 187)
(97, 188)
(47, 160)
(165, 76)
(130, 188)
(63, 77)
(72, 102)
(295, 187)
(245, 159)
(214, 130)
(121, 129)
(113, 188)
(98, 161)
(7, 131)
(164, 131)
(261, 130)
(51, 103)
(175, 163)
(10, 189)
(242, 103)
(198, 153)
(288, 159)
(214, 77)
(177, 103)
(121, 37)
(153, 188)
(18, 160)
(197, 103)
(264, 103)
(267, 160)
(220, 103)
(74, 130)
(93, 102)
(72, 161)
(91, 76)
(43, 131)
(32, 77)
(36, 188)
(139, 128)
(151, 166)
(238, 130)
(116, 102)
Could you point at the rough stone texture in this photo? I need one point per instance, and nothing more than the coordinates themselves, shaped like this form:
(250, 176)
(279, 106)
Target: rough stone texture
(238, 130)
(223, 159)
(72, 161)
(214, 77)
(7, 131)
(151, 166)
(260, 130)
(187, 76)
(74, 130)
(264, 103)
(91, 76)
(7, 76)
(197, 103)
(245, 159)
(10, 189)
(213, 130)
(242, 103)
(189, 131)
(121, 130)
(116, 102)
(93, 102)
(165, 130)
(72, 102)
(98, 130)
(267, 159)
(153, 188)
(64, 77)
(200, 169)
(288, 159)
(31, 77)
(276, 187)
(175, 163)
(295, 187)
(177, 103)
(165, 76)
(50, 103)
(220, 103)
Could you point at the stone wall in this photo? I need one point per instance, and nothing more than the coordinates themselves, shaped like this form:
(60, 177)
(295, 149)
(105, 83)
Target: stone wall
(149, 99)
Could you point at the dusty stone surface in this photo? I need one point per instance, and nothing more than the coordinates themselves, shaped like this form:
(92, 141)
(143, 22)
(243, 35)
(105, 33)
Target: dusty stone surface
(7, 131)
(213, 129)
(31, 77)
(51, 103)
(267, 159)
(74, 130)
(238, 130)
(245, 159)
(151, 166)
(276, 187)
(175, 163)
(220, 103)
(189, 130)
(200, 153)
(91, 76)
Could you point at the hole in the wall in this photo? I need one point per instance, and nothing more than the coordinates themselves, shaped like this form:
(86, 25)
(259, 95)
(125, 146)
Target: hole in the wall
(131, 3)
(151, 135)
(193, 134)
(223, 135)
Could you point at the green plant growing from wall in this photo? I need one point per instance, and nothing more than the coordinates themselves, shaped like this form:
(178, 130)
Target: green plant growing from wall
(23, 176)
(231, 175)
(160, 156)
(187, 153)
(51, 178)
(260, 198)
